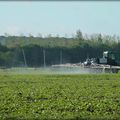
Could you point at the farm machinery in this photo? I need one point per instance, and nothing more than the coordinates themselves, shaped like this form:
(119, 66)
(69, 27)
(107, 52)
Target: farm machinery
(110, 58)
(109, 61)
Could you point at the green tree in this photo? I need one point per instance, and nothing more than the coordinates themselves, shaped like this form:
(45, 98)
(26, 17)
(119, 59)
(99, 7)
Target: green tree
(79, 35)
(99, 38)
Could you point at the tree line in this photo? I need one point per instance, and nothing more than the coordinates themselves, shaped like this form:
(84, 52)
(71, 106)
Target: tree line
(14, 50)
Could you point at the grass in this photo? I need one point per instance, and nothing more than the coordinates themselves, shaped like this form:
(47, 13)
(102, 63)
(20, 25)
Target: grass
(84, 97)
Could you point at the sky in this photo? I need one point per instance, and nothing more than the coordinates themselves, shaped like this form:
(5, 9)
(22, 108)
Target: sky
(62, 18)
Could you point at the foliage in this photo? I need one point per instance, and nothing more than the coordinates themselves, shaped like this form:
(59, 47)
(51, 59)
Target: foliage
(74, 50)
(59, 97)
(79, 35)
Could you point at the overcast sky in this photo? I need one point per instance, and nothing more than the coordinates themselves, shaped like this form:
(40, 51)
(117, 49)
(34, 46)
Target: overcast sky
(59, 17)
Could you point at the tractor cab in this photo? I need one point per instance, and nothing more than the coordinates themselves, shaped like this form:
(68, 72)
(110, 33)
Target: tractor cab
(110, 58)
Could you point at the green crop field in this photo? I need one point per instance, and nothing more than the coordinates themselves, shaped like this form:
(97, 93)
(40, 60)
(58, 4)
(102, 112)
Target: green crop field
(39, 97)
